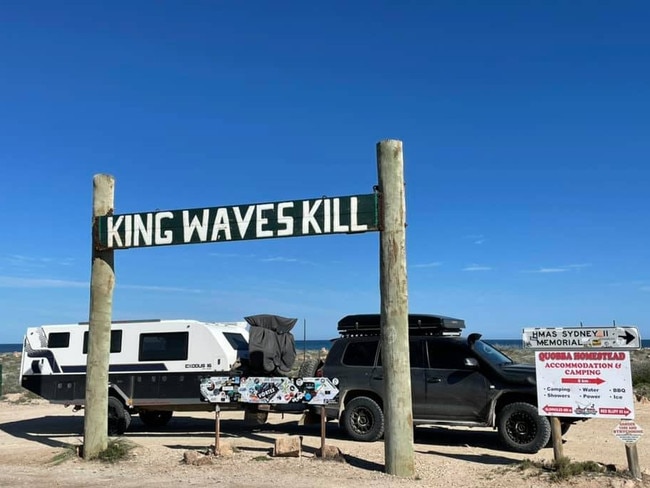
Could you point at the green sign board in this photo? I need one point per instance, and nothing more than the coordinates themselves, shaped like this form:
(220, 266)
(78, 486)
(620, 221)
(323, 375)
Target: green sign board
(327, 215)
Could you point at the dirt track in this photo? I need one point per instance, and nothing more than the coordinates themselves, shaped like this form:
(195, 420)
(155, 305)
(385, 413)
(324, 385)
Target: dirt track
(31, 435)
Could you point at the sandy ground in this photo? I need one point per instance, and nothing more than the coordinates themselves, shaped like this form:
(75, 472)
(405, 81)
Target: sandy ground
(31, 435)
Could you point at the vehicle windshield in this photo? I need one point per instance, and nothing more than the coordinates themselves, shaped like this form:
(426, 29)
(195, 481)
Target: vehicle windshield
(491, 354)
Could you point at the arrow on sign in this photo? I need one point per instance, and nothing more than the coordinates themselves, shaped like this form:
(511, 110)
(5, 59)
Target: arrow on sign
(628, 337)
(557, 409)
(596, 381)
(615, 411)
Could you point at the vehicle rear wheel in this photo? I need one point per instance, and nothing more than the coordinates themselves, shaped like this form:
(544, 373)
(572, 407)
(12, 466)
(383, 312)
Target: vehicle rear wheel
(363, 419)
(154, 419)
(254, 417)
(522, 429)
(118, 417)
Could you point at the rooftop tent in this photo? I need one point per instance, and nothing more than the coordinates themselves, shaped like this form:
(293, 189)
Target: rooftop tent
(417, 324)
(271, 345)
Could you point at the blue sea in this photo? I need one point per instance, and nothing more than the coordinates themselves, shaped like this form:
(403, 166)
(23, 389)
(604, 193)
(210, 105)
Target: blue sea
(315, 345)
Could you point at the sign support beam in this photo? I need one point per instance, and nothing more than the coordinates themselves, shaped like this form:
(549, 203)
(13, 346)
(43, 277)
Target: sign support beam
(102, 281)
(398, 445)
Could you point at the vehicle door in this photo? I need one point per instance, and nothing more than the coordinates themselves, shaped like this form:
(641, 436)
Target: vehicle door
(417, 366)
(455, 390)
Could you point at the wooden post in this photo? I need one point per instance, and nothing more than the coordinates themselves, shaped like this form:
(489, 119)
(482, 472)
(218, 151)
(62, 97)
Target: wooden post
(633, 460)
(323, 420)
(556, 436)
(398, 444)
(217, 430)
(102, 281)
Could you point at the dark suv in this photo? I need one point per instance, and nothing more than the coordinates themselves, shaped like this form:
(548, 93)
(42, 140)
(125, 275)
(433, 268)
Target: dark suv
(454, 381)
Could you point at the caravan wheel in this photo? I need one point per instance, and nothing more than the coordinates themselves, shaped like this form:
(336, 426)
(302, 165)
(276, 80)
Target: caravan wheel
(118, 417)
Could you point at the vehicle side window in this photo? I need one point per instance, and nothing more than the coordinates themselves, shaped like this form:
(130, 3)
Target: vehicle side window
(165, 346)
(417, 359)
(416, 355)
(361, 353)
(116, 341)
(446, 355)
(58, 339)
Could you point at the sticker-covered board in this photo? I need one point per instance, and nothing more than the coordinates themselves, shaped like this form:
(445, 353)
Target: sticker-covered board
(269, 390)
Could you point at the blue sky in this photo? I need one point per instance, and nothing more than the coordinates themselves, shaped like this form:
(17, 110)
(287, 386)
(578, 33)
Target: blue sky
(525, 129)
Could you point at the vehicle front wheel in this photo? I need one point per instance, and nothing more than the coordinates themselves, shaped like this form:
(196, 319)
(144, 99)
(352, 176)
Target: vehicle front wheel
(363, 419)
(154, 419)
(522, 429)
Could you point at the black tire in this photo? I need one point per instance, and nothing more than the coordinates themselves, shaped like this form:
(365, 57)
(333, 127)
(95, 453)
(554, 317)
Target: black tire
(154, 419)
(254, 417)
(117, 417)
(308, 368)
(363, 419)
(522, 429)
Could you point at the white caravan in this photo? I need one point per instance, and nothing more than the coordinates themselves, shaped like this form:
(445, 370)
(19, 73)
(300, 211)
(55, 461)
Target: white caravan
(155, 366)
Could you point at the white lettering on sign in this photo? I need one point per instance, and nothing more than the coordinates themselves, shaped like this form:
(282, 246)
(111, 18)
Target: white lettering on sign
(112, 231)
(309, 217)
(263, 220)
(354, 225)
(167, 236)
(221, 225)
(243, 221)
(142, 230)
(195, 225)
(285, 220)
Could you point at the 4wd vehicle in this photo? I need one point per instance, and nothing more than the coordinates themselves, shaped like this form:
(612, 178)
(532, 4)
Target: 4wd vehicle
(454, 381)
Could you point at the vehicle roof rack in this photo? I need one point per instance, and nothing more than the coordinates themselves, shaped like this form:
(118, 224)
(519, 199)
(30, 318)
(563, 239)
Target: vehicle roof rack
(418, 324)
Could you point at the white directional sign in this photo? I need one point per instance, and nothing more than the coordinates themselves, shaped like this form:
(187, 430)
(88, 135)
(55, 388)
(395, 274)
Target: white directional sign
(584, 384)
(577, 338)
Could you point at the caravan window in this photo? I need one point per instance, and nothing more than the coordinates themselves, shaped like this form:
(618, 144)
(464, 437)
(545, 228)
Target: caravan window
(237, 341)
(58, 339)
(116, 341)
(163, 346)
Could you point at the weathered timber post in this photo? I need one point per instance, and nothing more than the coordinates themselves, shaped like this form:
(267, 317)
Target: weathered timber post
(398, 445)
(102, 281)
(632, 455)
(556, 436)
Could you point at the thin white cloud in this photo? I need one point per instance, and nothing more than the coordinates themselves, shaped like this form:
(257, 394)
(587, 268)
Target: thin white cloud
(562, 269)
(427, 265)
(279, 259)
(19, 260)
(476, 267)
(166, 289)
(17, 282)
(645, 288)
